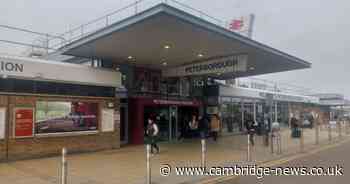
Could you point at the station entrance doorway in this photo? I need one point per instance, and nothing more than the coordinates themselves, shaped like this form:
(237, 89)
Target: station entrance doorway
(171, 120)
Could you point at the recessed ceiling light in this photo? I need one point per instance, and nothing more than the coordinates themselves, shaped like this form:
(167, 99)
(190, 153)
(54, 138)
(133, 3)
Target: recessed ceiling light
(252, 68)
(164, 63)
(200, 55)
(130, 57)
(167, 47)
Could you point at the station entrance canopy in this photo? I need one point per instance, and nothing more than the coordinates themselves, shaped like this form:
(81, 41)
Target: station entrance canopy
(181, 44)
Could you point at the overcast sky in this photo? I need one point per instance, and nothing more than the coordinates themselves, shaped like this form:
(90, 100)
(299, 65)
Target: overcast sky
(314, 30)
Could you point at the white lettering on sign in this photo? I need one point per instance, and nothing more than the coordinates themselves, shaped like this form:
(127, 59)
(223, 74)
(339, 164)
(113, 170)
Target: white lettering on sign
(221, 65)
(173, 102)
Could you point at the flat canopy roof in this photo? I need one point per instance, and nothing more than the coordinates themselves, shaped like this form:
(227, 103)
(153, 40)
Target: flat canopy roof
(145, 35)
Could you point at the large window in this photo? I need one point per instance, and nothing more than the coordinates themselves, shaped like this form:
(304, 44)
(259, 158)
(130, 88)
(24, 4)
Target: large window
(56, 117)
(146, 80)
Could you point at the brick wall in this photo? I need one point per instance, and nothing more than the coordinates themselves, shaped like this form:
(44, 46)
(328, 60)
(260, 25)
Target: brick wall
(2, 150)
(39, 146)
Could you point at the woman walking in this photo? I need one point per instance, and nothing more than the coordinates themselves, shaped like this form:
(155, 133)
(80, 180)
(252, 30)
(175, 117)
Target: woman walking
(152, 133)
(215, 126)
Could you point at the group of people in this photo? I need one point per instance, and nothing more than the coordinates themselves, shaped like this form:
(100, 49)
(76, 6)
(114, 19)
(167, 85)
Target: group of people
(201, 126)
(204, 126)
(210, 126)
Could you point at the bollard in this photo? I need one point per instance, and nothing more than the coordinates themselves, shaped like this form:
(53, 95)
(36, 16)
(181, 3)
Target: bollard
(301, 140)
(204, 150)
(271, 146)
(317, 133)
(329, 132)
(279, 143)
(148, 164)
(339, 129)
(248, 149)
(64, 167)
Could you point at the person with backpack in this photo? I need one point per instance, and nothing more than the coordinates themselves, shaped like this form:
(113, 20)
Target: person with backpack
(152, 133)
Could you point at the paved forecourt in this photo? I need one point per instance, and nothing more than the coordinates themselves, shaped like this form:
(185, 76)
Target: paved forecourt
(128, 164)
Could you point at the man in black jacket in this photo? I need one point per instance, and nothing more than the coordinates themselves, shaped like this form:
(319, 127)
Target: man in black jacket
(203, 126)
(249, 125)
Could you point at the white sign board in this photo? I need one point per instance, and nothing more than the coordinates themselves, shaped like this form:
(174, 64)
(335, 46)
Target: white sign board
(107, 120)
(230, 64)
(2, 122)
(38, 69)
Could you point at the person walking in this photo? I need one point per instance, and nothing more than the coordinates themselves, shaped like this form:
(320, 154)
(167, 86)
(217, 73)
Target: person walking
(215, 126)
(193, 124)
(203, 126)
(294, 126)
(152, 133)
(266, 129)
(249, 125)
(183, 127)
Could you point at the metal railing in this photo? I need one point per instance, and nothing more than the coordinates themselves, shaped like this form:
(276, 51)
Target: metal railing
(123, 13)
(40, 43)
(48, 43)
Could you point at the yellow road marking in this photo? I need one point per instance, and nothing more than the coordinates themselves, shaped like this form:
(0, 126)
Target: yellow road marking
(276, 162)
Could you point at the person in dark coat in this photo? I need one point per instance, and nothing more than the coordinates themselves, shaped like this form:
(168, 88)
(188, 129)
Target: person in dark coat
(249, 125)
(203, 126)
(152, 133)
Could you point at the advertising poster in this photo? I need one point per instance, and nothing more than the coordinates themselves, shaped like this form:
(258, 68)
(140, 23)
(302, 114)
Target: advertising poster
(107, 120)
(24, 122)
(60, 117)
(2, 122)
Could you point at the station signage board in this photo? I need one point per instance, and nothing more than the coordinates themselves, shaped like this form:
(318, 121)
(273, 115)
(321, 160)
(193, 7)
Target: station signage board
(24, 122)
(8, 66)
(175, 102)
(222, 65)
(44, 70)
